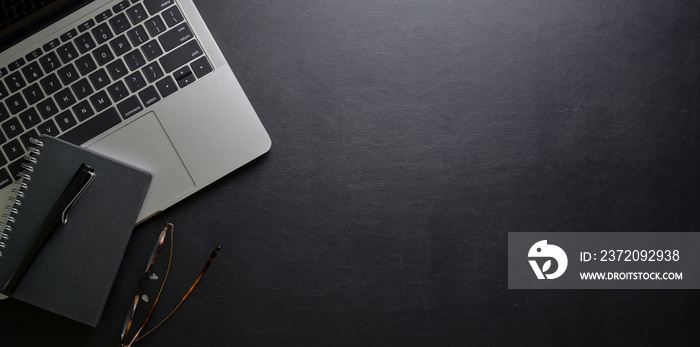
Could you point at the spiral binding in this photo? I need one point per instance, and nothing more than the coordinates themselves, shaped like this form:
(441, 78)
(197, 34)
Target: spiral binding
(23, 177)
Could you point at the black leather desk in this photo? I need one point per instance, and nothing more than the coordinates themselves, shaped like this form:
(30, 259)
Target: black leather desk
(409, 137)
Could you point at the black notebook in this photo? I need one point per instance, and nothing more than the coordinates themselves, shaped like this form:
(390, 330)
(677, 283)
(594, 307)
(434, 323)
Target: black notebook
(74, 272)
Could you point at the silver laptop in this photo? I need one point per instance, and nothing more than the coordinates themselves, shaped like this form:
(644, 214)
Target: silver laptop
(141, 81)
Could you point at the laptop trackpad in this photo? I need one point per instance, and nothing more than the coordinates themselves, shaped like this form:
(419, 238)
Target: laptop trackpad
(145, 145)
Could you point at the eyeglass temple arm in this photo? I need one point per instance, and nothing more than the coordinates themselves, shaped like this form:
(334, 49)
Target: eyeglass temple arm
(199, 278)
(196, 282)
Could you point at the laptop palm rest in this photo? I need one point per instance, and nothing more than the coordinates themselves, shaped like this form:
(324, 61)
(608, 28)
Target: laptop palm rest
(145, 145)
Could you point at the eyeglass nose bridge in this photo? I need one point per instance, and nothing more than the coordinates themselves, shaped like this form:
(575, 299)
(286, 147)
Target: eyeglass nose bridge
(142, 287)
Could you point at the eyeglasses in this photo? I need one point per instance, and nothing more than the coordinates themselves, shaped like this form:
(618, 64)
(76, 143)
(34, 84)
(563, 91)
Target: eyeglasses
(150, 275)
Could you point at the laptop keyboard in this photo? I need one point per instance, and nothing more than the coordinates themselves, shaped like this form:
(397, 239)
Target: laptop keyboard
(95, 76)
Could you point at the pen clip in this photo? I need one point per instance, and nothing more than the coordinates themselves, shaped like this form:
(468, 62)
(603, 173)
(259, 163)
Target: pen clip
(86, 170)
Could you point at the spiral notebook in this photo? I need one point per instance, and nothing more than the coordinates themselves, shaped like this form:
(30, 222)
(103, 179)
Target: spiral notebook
(74, 272)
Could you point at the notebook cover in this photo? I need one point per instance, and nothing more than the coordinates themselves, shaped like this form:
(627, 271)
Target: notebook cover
(74, 272)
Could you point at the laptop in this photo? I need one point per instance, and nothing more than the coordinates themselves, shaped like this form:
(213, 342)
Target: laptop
(141, 81)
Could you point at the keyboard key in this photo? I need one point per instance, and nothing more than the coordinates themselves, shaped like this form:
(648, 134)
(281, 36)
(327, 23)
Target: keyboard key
(32, 72)
(135, 82)
(100, 101)
(16, 103)
(48, 128)
(155, 26)
(166, 86)
(137, 35)
(50, 62)
(149, 96)
(155, 6)
(5, 178)
(117, 91)
(83, 110)
(93, 127)
(3, 91)
(85, 64)
(51, 45)
(50, 83)
(130, 107)
(64, 98)
(99, 79)
(3, 72)
(86, 25)
(16, 64)
(82, 89)
(68, 74)
(175, 37)
(134, 60)
(181, 56)
(15, 82)
(2, 140)
(16, 167)
(120, 6)
(201, 67)
(85, 43)
(24, 138)
(119, 23)
(67, 52)
(33, 94)
(47, 108)
(4, 114)
(69, 35)
(103, 16)
(30, 118)
(151, 50)
(13, 149)
(120, 45)
(153, 72)
(117, 69)
(12, 127)
(172, 16)
(103, 55)
(137, 14)
(66, 120)
(102, 33)
(33, 54)
(184, 77)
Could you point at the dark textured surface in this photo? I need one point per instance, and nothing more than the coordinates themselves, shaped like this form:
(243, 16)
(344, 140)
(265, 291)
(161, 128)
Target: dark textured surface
(409, 137)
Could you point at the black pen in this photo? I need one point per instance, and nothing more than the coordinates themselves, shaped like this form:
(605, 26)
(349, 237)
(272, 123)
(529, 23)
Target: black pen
(58, 215)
